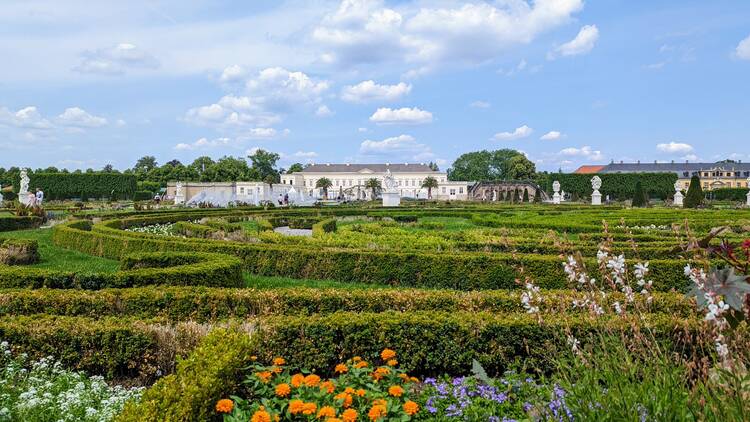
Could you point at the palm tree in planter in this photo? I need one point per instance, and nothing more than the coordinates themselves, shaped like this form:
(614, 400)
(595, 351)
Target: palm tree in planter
(430, 183)
(374, 186)
(324, 183)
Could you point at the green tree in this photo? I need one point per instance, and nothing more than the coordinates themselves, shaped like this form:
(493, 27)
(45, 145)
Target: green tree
(694, 197)
(264, 163)
(270, 180)
(108, 168)
(434, 166)
(145, 164)
(200, 166)
(295, 168)
(640, 199)
(324, 183)
(429, 183)
(374, 186)
(538, 196)
(503, 164)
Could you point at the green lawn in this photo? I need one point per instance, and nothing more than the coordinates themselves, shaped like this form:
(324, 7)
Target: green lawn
(57, 258)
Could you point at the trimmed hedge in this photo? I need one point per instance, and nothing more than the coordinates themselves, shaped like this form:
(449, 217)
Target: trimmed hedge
(18, 251)
(143, 195)
(19, 223)
(79, 185)
(212, 371)
(216, 304)
(618, 186)
(142, 269)
(324, 226)
(729, 194)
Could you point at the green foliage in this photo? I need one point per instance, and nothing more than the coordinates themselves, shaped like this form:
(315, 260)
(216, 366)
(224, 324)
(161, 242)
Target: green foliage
(503, 164)
(324, 226)
(694, 197)
(429, 183)
(18, 251)
(81, 185)
(374, 186)
(525, 195)
(729, 194)
(143, 195)
(264, 164)
(210, 373)
(295, 168)
(324, 183)
(19, 223)
(640, 199)
(619, 186)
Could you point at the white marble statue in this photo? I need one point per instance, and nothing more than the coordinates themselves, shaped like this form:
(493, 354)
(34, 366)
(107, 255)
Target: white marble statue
(1, 192)
(391, 197)
(678, 196)
(179, 195)
(748, 193)
(556, 189)
(23, 192)
(389, 183)
(596, 197)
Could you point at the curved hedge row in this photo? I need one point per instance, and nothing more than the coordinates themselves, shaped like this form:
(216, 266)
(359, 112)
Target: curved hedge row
(19, 223)
(217, 304)
(141, 269)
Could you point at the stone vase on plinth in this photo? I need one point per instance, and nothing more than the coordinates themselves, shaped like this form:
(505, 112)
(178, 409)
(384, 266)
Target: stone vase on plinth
(678, 196)
(596, 197)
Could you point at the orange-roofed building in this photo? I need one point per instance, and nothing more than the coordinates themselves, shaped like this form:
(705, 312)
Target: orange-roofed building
(589, 169)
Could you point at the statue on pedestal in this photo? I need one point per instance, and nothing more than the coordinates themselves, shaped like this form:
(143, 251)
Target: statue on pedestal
(678, 196)
(391, 197)
(556, 189)
(748, 193)
(23, 192)
(179, 195)
(596, 197)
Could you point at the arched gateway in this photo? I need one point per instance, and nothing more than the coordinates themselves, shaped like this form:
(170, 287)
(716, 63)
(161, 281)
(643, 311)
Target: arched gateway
(504, 190)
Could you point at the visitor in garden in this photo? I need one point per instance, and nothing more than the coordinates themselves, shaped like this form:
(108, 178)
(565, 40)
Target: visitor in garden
(39, 196)
(157, 198)
(31, 199)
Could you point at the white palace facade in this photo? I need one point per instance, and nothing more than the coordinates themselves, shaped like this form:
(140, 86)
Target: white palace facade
(349, 180)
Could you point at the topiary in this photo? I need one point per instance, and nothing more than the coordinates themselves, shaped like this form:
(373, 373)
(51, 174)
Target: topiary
(695, 196)
(639, 198)
(525, 195)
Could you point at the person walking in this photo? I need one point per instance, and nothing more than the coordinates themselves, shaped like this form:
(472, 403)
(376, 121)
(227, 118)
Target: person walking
(39, 196)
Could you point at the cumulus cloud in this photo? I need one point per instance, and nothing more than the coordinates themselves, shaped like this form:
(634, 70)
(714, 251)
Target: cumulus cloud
(584, 152)
(323, 111)
(675, 148)
(581, 44)
(396, 147)
(116, 60)
(232, 74)
(232, 112)
(552, 135)
(743, 49)
(79, 118)
(369, 91)
(520, 132)
(362, 31)
(404, 116)
(480, 104)
(25, 118)
(202, 143)
(279, 88)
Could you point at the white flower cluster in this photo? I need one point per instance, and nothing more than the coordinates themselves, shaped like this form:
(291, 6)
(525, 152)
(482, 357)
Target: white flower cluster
(531, 298)
(647, 228)
(714, 311)
(158, 229)
(44, 390)
(576, 273)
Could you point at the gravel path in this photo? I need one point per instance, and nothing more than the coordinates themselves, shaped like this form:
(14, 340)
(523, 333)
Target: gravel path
(286, 231)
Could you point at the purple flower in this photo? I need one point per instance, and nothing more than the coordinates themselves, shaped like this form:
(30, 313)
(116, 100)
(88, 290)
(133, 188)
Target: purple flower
(527, 406)
(452, 411)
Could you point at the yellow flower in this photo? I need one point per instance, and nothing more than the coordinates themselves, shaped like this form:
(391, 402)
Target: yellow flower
(356, 359)
(309, 408)
(224, 406)
(395, 391)
(414, 379)
(279, 361)
(283, 390)
(261, 416)
(327, 412)
(312, 380)
(297, 380)
(411, 408)
(378, 411)
(349, 415)
(296, 406)
(253, 358)
(341, 368)
(387, 354)
(392, 362)
(333, 420)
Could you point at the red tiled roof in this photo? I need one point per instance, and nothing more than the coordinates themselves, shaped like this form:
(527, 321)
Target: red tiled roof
(589, 169)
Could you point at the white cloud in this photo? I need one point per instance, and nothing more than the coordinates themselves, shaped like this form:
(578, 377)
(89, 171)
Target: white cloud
(675, 148)
(362, 31)
(232, 112)
(405, 146)
(278, 88)
(361, 129)
(79, 118)
(520, 132)
(323, 111)
(202, 143)
(232, 74)
(116, 60)
(743, 49)
(25, 118)
(552, 135)
(406, 116)
(584, 152)
(581, 44)
(480, 104)
(305, 154)
(369, 91)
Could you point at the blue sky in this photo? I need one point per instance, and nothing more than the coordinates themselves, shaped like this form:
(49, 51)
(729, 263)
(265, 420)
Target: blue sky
(568, 82)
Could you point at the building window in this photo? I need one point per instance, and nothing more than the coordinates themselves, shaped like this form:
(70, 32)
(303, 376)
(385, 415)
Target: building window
(242, 191)
(443, 189)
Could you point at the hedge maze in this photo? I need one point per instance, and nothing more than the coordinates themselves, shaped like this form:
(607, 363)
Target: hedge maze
(442, 285)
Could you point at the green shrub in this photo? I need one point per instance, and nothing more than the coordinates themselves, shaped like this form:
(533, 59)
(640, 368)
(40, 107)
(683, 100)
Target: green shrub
(18, 251)
(694, 197)
(19, 223)
(324, 226)
(729, 194)
(82, 185)
(640, 199)
(211, 372)
(143, 195)
(620, 186)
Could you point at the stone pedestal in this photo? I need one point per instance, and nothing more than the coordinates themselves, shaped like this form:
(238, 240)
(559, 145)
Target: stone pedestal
(596, 198)
(556, 198)
(678, 197)
(391, 199)
(179, 199)
(748, 199)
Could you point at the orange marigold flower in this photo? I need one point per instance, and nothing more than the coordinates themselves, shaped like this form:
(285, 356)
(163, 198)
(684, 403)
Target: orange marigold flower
(341, 368)
(345, 397)
(349, 390)
(395, 391)
(328, 386)
(224, 406)
(361, 392)
(411, 408)
(309, 408)
(312, 380)
(297, 380)
(356, 358)
(379, 402)
(378, 411)
(403, 377)
(360, 364)
(261, 416)
(276, 369)
(263, 376)
(279, 361)
(387, 354)
(392, 362)
(349, 415)
(327, 412)
(296, 406)
(414, 379)
(283, 390)
(333, 420)
(380, 373)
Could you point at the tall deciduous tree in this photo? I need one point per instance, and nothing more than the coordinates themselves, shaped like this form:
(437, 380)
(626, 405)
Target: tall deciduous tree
(503, 164)
(295, 168)
(264, 164)
(145, 164)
